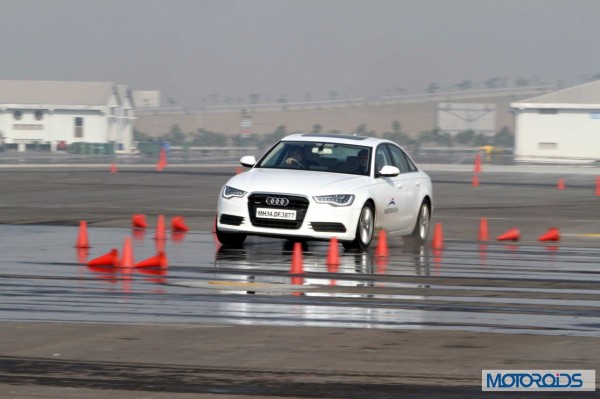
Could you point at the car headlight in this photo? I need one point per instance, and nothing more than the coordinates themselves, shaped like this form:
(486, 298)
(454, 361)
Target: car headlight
(335, 200)
(230, 192)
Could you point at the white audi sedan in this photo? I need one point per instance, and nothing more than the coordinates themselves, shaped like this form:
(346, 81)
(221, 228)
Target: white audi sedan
(320, 186)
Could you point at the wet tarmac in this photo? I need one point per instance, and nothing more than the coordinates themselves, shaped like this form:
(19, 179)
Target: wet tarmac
(467, 286)
(236, 323)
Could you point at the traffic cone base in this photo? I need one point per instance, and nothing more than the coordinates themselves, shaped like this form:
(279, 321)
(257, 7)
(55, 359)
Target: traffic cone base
(382, 246)
(438, 237)
(160, 228)
(178, 224)
(138, 221)
(109, 259)
(159, 260)
(333, 254)
(297, 262)
(127, 260)
(510, 235)
(483, 230)
(552, 234)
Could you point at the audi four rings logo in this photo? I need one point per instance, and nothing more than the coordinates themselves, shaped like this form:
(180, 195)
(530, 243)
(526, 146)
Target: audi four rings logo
(277, 201)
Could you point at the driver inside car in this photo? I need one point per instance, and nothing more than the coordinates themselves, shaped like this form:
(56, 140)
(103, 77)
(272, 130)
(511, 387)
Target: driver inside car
(296, 157)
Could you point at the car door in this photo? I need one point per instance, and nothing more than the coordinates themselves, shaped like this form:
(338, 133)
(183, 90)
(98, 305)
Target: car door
(409, 184)
(386, 193)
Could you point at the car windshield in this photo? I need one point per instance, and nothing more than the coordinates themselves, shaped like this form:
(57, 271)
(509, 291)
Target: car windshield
(318, 156)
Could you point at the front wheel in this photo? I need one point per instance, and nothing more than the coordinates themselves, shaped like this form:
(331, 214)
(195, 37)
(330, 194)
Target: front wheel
(230, 239)
(420, 232)
(364, 229)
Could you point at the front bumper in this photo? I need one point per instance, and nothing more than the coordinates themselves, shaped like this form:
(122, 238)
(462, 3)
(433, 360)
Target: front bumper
(320, 221)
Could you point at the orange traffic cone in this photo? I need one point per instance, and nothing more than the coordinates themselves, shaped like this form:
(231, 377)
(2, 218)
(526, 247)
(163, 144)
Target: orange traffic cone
(438, 237)
(162, 160)
(598, 186)
(333, 254)
(561, 184)
(483, 230)
(160, 228)
(108, 259)
(127, 260)
(239, 170)
(475, 181)
(551, 235)
(381, 262)
(382, 247)
(297, 266)
(178, 224)
(510, 235)
(163, 157)
(159, 260)
(82, 237)
(138, 221)
(113, 167)
(477, 167)
(82, 254)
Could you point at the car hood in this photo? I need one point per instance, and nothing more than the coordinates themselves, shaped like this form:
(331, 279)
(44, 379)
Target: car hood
(290, 181)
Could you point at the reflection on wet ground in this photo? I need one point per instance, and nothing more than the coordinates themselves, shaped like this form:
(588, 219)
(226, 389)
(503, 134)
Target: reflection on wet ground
(466, 286)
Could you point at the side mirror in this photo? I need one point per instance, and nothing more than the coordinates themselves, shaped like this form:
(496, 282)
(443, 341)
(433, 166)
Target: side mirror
(248, 161)
(389, 171)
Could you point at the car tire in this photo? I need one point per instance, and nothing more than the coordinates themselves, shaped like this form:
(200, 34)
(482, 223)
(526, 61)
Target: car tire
(420, 232)
(364, 229)
(229, 239)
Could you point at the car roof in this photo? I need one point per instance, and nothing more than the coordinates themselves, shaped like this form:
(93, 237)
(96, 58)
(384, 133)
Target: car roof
(336, 138)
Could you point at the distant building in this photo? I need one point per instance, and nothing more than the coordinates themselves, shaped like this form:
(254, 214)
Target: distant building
(559, 126)
(146, 98)
(455, 118)
(62, 113)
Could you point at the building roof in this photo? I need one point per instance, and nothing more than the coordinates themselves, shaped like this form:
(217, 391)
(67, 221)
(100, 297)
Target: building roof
(55, 92)
(586, 96)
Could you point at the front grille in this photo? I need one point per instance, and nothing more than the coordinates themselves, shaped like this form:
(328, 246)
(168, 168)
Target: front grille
(296, 203)
(328, 226)
(231, 219)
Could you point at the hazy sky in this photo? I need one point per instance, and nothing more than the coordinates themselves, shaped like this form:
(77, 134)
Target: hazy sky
(190, 49)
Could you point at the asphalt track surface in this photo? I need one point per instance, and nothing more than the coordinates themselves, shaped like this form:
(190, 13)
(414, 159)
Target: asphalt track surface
(233, 323)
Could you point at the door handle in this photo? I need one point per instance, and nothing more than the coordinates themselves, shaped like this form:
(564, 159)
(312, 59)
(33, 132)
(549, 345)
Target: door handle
(417, 183)
(399, 186)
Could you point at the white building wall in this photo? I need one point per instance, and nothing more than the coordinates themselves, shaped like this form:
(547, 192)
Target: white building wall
(94, 127)
(566, 135)
(102, 123)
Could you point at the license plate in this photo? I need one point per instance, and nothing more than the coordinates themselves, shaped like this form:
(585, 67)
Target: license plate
(267, 213)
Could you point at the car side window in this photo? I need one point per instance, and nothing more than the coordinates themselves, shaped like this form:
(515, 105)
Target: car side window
(382, 158)
(401, 160)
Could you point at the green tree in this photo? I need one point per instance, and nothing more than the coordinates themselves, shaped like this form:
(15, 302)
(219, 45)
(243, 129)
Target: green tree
(464, 85)
(333, 95)
(397, 135)
(361, 129)
(254, 98)
(504, 138)
(521, 82)
(271, 138)
(481, 140)
(139, 136)
(176, 136)
(207, 138)
(433, 87)
(465, 138)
